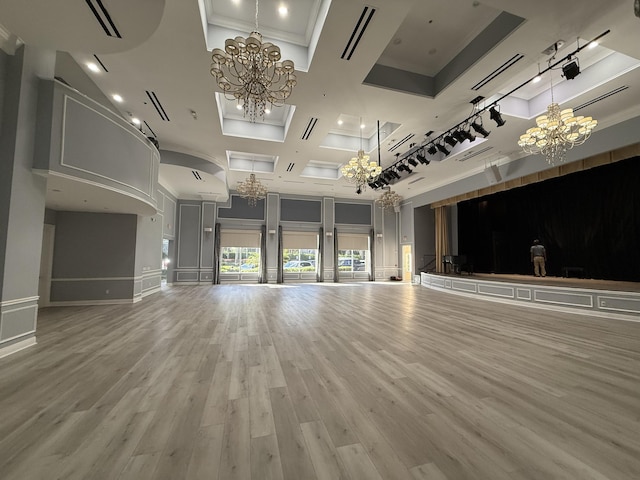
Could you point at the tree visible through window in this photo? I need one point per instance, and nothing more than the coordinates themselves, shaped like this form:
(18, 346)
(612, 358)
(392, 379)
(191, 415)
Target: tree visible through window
(239, 259)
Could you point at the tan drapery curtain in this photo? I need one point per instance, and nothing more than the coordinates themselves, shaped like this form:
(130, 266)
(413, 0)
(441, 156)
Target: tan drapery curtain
(442, 236)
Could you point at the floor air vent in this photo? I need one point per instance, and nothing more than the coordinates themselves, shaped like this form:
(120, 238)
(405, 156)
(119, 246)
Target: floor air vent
(158, 106)
(104, 18)
(358, 31)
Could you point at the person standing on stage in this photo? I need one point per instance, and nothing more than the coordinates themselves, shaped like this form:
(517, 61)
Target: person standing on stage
(538, 258)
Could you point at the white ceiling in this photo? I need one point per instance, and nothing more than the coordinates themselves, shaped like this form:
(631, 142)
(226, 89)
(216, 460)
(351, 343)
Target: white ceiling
(419, 41)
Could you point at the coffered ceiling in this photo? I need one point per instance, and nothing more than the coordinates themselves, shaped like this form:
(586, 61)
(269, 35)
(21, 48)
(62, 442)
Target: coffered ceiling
(409, 66)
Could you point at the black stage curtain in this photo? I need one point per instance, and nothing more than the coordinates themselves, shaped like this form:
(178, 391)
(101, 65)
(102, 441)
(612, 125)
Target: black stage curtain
(589, 219)
(216, 255)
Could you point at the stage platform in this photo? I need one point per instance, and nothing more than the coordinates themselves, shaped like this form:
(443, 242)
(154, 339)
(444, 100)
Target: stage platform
(603, 298)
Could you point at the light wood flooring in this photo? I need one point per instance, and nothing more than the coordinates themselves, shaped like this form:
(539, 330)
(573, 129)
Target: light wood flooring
(321, 381)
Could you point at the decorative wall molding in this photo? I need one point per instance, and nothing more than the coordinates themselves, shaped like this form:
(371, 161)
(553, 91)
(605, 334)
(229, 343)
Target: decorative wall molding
(603, 303)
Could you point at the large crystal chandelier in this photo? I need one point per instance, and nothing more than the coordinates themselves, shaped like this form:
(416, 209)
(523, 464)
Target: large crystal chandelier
(556, 132)
(251, 73)
(360, 170)
(252, 190)
(389, 201)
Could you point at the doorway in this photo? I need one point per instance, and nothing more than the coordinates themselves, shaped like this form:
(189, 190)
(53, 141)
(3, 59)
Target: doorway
(407, 263)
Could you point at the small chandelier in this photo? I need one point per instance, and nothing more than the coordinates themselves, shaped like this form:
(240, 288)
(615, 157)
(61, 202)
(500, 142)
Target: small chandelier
(556, 132)
(360, 170)
(251, 73)
(389, 200)
(252, 190)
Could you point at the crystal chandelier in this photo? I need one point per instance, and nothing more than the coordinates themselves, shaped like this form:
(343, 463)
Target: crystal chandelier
(252, 190)
(251, 73)
(360, 170)
(556, 132)
(389, 200)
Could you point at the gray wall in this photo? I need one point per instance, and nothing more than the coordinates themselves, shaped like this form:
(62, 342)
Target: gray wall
(22, 194)
(94, 257)
(425, 237)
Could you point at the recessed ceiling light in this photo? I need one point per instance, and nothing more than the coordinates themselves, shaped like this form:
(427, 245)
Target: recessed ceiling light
(362, 125)
(283, 11)
(136, 121)
(267, 111)
(340, 122)
(117, 98)
(593, 44)
(239, 107)
(93, 67)
(536, 79)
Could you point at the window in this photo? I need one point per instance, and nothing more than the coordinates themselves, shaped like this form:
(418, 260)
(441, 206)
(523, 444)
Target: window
(239, 251)
(353, 260)
(239, 259)
(353, 252)
(299, 252)
(299, 260)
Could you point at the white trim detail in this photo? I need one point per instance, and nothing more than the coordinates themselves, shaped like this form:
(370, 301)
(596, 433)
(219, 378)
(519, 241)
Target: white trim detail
(82, 303)
(16, 347)
(18, 301)
(150, 193)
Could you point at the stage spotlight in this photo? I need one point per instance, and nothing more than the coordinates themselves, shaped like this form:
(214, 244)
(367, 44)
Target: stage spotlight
(450, 140)
(382, 180)
(571, 69)
(422, 159)
(394, 174)
(479, 128)
(442, 148)
(432, 150)
(404, 167)
(459, 136)
(468, 135)
(412, 162)
(496, 117)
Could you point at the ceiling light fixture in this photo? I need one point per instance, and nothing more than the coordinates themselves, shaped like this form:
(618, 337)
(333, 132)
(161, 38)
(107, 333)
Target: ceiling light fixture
(432, 150)
(479, 128)
(117, 98)
(251, 73)
(451, 140)
(571, 69)
(442, 148)
(556, 132)
(93, 67)
(360, 170)
(494, 115)
(389, 200)
(422, 159)
(252, 190)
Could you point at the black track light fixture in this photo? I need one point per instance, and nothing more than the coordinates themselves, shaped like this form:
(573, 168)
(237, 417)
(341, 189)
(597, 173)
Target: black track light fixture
(459, 135)
(571, 69)
(432, 150)
(412, 161)
(468, 135)
(405, 168)
(442, 148)
(394, 174)
(450, 139)
(422, 159)
(494, 115)
(479, 128)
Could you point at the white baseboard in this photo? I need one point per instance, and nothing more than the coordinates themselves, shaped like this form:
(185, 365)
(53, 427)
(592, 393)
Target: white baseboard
(16, 347)
(83, 303)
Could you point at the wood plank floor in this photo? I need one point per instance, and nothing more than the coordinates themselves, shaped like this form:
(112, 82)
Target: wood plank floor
(321, 381)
